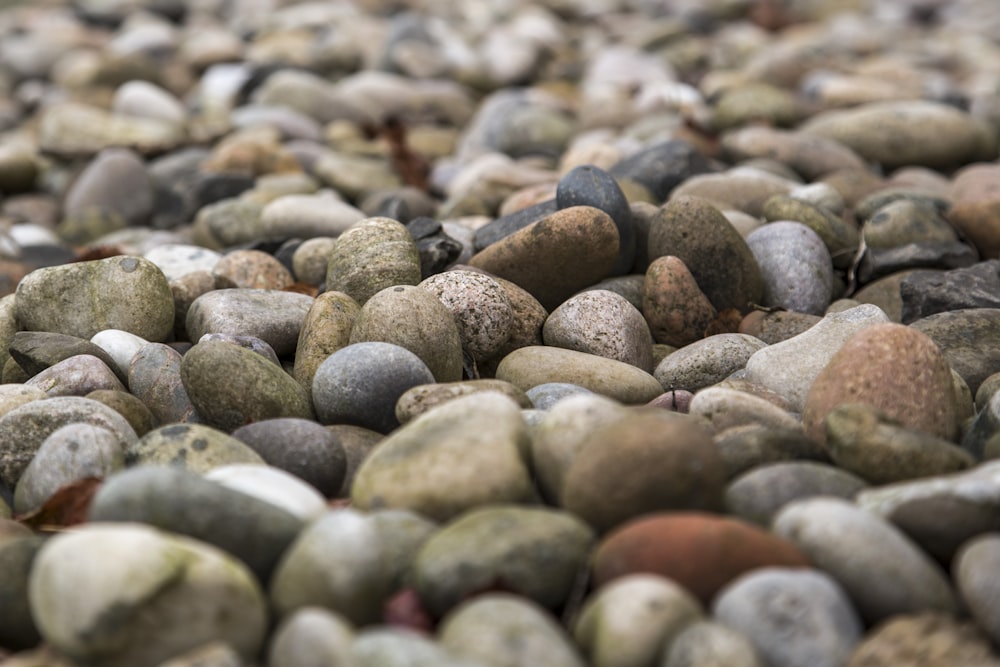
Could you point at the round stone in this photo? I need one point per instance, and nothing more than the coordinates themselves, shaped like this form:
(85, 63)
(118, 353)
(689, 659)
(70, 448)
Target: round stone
(795, 266)
(602, 323)
(677, 311)
(479, 306)
(301, 447)
(373, 254)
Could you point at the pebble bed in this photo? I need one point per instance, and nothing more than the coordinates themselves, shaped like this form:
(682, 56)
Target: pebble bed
(402, 333)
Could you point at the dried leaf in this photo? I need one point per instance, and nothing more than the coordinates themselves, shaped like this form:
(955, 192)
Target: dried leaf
(67, 507)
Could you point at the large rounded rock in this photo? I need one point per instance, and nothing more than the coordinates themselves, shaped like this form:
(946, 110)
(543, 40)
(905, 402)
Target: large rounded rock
(602, 323)
(361, 383)
(897, 134)
(81, 299)
(648, 462)
(702, 552)
(530, 366)
(795, 266)
(231, 386)
(413, 319)
(534, 552)
(793, 617)
(414, 468)
(882, 571)
(480, 307)
(893, 368)
(373, 254)
(167, 594)
(556, 256)
(693, 230)
(194, 447)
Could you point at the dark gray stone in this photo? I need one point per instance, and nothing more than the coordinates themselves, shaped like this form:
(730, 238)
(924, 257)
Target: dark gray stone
(662, 167)
(928, 292)
(878, 263)
(588, 185)
(970, 340)
(299, 446)
(758, 494)
(35, 351)
(506, 225)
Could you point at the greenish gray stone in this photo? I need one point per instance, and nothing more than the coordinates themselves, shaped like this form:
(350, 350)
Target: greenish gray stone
(399, 647)
(17, 555)
(194, 447)
(535, 552)
(81, 299)
(179, 501)
(755, 103)
(228, 222)
(710, 643)
(231, 386)
(414, 467)
(373, 254)
(746, 447)
(325, 329)
(72, 129)
(163, 596)
(502, 629)
(309, 637)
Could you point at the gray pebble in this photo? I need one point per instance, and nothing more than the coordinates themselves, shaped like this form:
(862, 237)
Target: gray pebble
(795, 266)
(271, 315)
(301, 447)
(706, 362)
(602, 323)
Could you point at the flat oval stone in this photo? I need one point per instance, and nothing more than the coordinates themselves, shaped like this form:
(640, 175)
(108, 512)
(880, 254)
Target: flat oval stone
(602, 323)
(630, 620)
(724, 408)
(25, 428)
(694, 231)
(418, 400)
(556, 256)
(412, 318)
(274, 316)
(823, 631)
(905, 221)
(231, 386)
(974, 567)
(301, 447)
(413, 468)
(795, 267)
(760, 493)
(536, 552)
(307, 216)
(893, 368)
(809, 155)
(480, 630)
(865, 442)
(588, 185)
(128, 293)
(790, 367)
(349, 562)
(71, 453)
(361, 383)
(706, 362)
(325, 329)
(480, 307)
(76, 376)
(898, 134)
(743, 190)
(700, 551)
(201, 578)
(179, 501)
(534, 365)
(35, 351)
(177, 260)
(882, 571)
(73, 129)
(273, 485)
(647, 462)
(373, 254)
(116, 182)
(677, 311)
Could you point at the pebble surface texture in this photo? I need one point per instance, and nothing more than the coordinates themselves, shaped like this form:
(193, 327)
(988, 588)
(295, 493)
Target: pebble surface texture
(596, 333)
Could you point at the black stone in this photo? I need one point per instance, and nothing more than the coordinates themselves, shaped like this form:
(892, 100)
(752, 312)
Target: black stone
(34, 351)
(927, 292)
(504, 226)
(588, 185)
(878, 263)
(662, 167)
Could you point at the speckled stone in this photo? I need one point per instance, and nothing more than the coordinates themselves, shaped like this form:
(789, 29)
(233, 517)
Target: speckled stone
(412, 318)
(418, 400)
(76, 376)
(480, 307)
(251, 269)
(839, 236)
(194, 447)
(155, 379)
(706, 362)
(274, 316)
(325, 329)
(373, 254)
(602, 323)
(677, 311)
(809, 155)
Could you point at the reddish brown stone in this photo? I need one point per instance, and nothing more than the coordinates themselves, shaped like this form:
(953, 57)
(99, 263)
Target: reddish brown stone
(702, 552)
(677, 311)
(975, 209)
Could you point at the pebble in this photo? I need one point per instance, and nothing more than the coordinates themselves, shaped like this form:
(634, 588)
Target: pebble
(399, 647)
(412, 318)
(652, 461)
(890, 367)
(972, 569)
(301, 447)
(604, 324)
(194, 447)
(862, 440)
(839, 237)
(348, 562)
(492, 469)
(589, 185)
(725, 408)
(927, 639)
(274, 316)
(968, 339)
(70, 453)
(722, 264)
(308, 216)
(790, 367)
(677, 310)
(906, 221)
(373, 254)
(155, 379)
(630, 622)
(325, 329)
(481, 630)
(706, 362)
(710, 643)
(557, 256)
(76, 376)
(25, 428)
(202, 580)
(422, 398)
(530, 366)
(18, 550)
(662, 166)
(744, 191)
(37, 351)
(535, 553)
(273, 485)
(793, 617)
(230, 386)
(881, 570)
(546, 396)
(128, 406)
(702, 552)
(176, 260)
(795, 265)
(809, 155)
(309, 636)
(758, 494)
(127, 293)
(73, 129)
(361, 383)
(926, 293)
(480, 308)
(115, 182)
(973, 208)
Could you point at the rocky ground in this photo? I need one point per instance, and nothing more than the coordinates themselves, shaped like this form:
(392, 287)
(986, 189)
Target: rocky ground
(624, 333)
